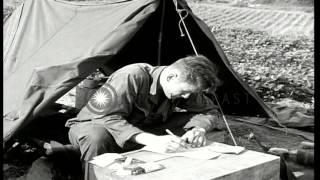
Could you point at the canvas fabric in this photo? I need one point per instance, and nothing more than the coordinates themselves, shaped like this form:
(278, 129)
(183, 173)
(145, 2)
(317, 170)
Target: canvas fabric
(50, 46)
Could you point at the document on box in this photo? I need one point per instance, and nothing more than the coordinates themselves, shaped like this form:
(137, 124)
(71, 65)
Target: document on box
(225, 148)
(202, 153)
(105, 159)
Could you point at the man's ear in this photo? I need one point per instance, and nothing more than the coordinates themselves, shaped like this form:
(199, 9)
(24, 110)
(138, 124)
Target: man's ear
(171, 76)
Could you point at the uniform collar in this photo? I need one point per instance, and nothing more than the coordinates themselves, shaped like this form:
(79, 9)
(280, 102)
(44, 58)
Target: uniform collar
(155, 74)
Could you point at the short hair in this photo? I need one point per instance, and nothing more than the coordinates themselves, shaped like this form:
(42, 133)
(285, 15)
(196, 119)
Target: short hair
(198, 70)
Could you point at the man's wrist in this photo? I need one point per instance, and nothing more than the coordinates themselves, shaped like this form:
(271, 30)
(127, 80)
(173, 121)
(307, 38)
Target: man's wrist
(200, 129)
(196, 128)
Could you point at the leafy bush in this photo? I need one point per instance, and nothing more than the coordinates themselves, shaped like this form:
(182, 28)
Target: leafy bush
(276, 67)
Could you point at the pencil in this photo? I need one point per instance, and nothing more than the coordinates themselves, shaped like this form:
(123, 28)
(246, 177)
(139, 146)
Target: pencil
(171, 134)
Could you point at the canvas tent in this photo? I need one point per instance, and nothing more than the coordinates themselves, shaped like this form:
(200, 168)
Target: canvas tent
(50, 46)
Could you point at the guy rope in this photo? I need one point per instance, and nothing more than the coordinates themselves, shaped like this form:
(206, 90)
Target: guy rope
(179, 11)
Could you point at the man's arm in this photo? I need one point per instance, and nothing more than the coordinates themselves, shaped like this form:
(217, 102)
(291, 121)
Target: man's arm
(205, 111)
(125, 84)
(204, 120)
(166, 143)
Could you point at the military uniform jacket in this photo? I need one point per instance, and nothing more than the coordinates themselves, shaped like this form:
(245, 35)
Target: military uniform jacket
(132, 99)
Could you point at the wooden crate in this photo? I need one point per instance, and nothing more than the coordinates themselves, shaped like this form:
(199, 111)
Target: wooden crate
(249, 165)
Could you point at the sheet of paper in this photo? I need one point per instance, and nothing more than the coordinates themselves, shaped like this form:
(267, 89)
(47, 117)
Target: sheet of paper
(225, 148)
(199, 153)
(203, 153)
(106, 159)
(109, 156)
(147, 156)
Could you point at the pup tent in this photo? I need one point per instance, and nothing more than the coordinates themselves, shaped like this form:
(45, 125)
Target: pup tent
(52, 45)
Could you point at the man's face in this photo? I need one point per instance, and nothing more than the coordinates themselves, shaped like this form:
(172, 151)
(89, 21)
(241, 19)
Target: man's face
(177, 88)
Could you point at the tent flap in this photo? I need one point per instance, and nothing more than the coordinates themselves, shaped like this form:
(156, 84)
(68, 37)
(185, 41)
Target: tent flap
(56, 45)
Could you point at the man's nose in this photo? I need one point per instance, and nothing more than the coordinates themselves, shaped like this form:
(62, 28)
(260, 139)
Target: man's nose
(186, 96)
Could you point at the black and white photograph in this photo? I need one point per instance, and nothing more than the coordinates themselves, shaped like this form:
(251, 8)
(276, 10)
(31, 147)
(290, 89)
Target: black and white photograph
(158, 89)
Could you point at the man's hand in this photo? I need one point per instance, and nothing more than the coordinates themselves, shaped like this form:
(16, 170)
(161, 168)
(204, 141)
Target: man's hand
(169, 143)
(196, 137)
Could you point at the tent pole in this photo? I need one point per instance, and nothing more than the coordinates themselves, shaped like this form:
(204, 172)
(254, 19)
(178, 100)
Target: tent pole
(161, 32)
(225, 120)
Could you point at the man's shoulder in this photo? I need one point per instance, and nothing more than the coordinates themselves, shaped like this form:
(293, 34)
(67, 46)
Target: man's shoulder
(136, 73)
(137, 69)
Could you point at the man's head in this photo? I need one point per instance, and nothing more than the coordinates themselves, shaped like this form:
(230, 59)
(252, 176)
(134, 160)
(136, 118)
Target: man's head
(188, 75)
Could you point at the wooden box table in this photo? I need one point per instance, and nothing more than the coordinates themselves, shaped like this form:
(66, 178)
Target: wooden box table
(249, 165)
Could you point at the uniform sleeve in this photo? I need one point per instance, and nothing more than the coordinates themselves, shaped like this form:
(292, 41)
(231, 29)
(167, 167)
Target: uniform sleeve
(125, 85)
(206, 112)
